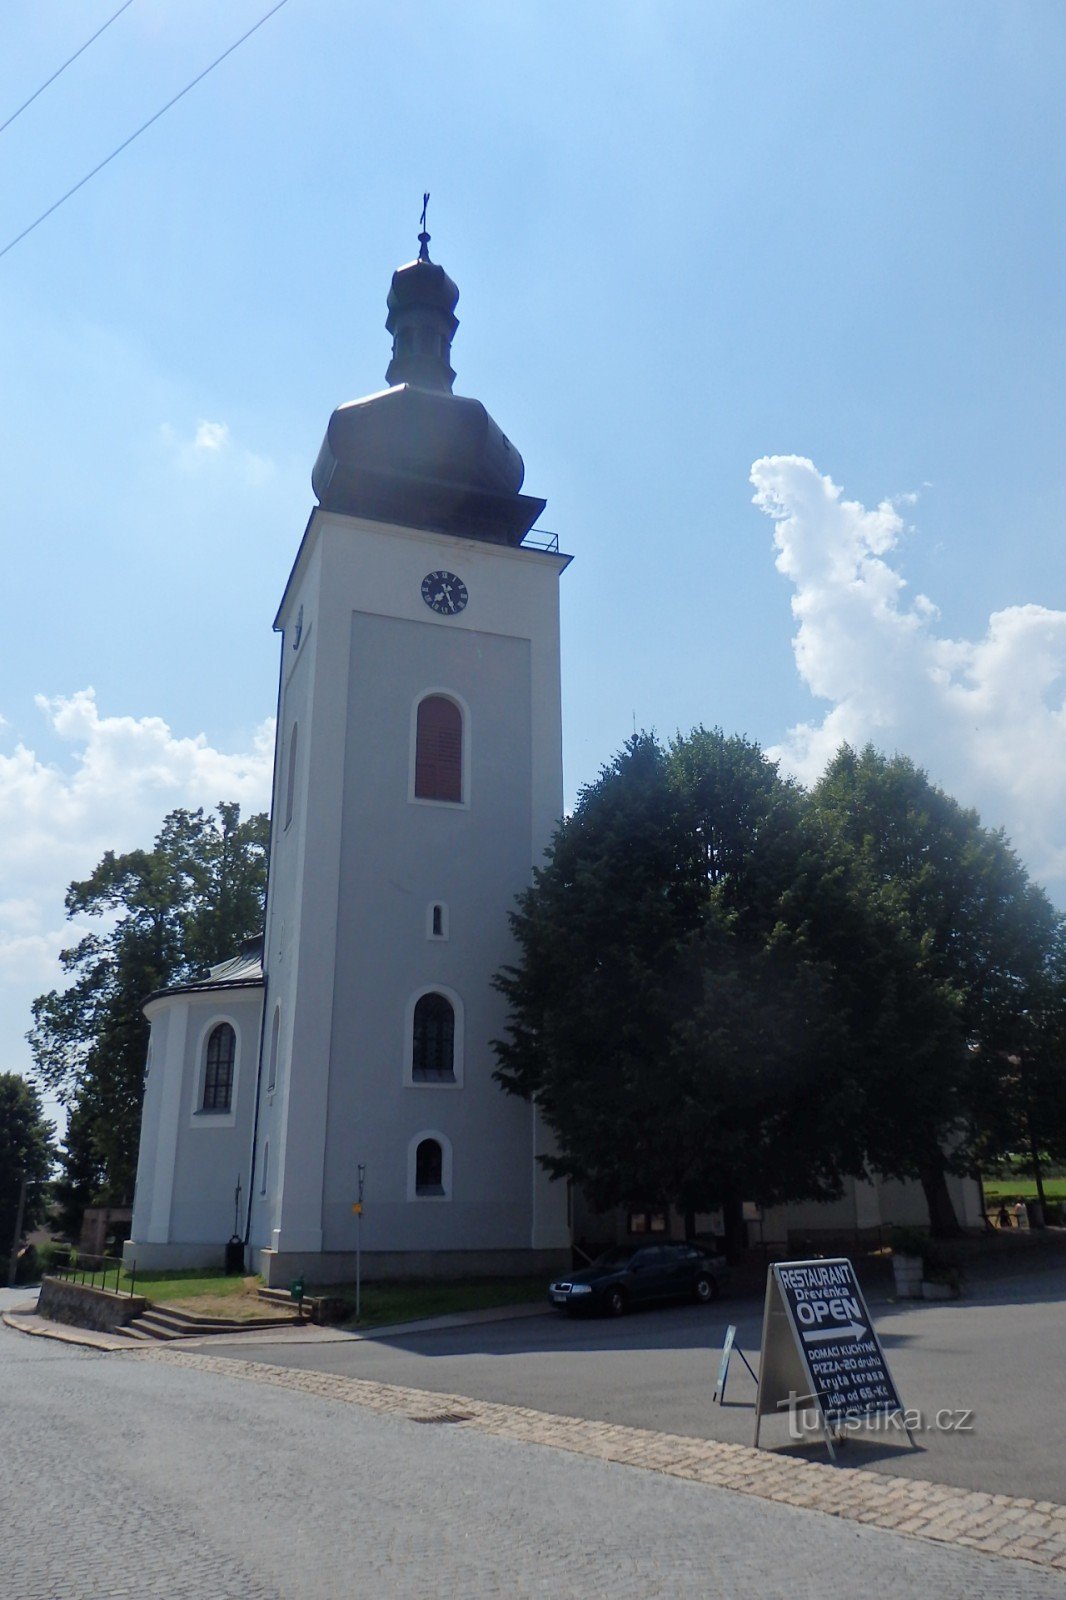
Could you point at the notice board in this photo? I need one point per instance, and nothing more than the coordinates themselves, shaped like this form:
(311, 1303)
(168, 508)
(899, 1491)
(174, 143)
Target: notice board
(819, 1345)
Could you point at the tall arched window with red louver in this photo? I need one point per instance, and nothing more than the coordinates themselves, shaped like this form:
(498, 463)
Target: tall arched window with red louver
(439, 750)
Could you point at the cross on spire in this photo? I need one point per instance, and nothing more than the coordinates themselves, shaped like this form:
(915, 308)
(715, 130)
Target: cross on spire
(423, 237)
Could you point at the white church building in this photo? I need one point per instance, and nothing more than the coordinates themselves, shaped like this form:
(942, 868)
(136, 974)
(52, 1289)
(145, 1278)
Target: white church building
(417, 782)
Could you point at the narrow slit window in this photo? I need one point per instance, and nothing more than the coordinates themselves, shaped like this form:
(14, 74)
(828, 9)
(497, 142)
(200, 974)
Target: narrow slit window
(275, 1034)
(290, 785)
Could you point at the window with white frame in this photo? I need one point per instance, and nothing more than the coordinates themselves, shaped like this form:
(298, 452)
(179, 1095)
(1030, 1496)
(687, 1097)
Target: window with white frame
(439, 750)
(429, 1166)
(433, 1039)
(219, 1058)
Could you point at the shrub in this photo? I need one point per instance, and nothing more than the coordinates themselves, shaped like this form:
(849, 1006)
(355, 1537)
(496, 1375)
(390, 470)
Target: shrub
(909, 1242)
(53, 1255)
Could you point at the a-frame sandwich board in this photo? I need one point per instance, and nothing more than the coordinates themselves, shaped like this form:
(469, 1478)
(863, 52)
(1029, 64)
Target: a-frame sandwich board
(819, 1349)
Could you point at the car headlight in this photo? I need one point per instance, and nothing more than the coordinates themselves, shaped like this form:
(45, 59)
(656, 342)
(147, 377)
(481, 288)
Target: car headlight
(581, 1288)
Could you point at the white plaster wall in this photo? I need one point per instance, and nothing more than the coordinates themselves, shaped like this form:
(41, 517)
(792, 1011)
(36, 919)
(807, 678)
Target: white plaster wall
(357, 581)
(189, 1159)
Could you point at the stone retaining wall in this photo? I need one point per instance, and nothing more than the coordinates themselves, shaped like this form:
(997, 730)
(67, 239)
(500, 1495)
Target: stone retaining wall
(82, 1306)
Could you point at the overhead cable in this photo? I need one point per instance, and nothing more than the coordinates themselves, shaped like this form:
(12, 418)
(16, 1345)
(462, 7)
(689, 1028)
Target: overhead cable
(66, 64)
(142, 129)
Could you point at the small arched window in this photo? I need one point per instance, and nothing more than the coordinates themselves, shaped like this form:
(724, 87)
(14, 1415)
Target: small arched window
(439, 750)
(290, 784)
(429, 1168)
(433, 1044)
(218, 1068)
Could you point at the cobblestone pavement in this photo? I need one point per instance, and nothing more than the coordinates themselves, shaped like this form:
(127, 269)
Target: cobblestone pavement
(169, 1473)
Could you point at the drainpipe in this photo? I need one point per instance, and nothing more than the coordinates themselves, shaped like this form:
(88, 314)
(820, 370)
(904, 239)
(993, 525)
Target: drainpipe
(266, 977)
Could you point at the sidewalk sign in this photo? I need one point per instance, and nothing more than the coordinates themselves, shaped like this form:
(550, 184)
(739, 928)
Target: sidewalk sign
(819, 1347)
(723, 1363)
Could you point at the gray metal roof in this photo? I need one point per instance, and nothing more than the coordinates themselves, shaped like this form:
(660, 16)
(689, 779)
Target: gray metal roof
(242, 971)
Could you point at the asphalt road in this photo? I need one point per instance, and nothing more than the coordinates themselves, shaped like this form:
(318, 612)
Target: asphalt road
(125, 1477)
(999, 1354)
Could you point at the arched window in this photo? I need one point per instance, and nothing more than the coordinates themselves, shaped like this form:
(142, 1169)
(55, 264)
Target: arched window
(429, 1168)
(439, 750)
(218, 1068)
(290, 785)
(433, 1042)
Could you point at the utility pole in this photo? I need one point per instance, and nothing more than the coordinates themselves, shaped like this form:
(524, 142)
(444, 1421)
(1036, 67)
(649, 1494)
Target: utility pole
(17, 1240)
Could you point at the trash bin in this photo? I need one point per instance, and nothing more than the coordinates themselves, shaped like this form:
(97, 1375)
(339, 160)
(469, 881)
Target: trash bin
(234, 1256)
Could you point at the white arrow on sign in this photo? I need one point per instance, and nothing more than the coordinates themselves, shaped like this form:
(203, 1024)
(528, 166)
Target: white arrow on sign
(850, 1330)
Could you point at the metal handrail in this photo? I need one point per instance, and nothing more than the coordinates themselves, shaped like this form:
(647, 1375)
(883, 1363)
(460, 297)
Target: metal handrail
(541, 539)
(82, 1267)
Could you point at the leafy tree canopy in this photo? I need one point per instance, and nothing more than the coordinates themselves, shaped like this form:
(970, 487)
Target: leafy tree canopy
(165, 915)
(26, 1151)
(727, 988)
(672, 1011)
(987, 941)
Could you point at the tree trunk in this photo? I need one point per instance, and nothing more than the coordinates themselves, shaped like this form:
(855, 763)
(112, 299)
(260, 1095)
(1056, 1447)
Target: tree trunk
(735, 1232)
(942, 1219)
(1034, 1154)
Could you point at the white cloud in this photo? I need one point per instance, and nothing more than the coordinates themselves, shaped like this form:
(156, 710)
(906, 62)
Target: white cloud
(986, 718)
(212, 447)
(120, 777)
(211, 436)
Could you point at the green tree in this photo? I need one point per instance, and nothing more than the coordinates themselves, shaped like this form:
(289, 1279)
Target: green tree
(166, 914)
(26, 1152)
(983, 938)
(669, 1012)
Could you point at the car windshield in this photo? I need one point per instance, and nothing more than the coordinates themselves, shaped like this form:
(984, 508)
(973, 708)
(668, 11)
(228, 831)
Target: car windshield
(616, 1257)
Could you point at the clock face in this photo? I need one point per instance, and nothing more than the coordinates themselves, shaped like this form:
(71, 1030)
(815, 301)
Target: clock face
(444, 593)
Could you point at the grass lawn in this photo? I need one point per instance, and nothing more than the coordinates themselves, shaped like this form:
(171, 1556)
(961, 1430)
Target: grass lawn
(213, 1294)
(410, 1302)
(210, 1294)
(1023, 1188)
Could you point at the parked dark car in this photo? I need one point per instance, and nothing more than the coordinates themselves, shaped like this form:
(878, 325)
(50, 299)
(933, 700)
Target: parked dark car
(634, 1274)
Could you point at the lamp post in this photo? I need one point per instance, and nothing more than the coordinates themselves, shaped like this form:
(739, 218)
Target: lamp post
(358, 1209)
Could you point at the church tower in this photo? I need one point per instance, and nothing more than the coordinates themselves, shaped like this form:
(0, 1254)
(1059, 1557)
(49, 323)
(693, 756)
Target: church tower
(418, 778)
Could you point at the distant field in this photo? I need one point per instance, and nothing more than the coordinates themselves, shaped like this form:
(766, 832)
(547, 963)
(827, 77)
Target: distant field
(1023, 1188)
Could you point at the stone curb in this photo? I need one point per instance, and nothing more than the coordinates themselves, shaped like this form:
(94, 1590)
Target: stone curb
(27, 1321)
(41, 1328)
(994, 1524)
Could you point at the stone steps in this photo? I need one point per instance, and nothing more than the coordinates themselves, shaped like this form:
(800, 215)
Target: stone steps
(160, 1322)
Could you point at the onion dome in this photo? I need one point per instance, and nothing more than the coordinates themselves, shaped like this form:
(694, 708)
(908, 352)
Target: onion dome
(415, 453)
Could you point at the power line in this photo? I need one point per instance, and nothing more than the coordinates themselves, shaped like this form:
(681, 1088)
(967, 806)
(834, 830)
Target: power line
(142, 129)
(64, 67)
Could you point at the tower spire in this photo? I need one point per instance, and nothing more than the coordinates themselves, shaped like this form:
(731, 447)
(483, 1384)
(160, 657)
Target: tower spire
(422, 321)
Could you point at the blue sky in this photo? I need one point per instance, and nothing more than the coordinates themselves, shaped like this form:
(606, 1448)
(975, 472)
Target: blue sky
(689, 237)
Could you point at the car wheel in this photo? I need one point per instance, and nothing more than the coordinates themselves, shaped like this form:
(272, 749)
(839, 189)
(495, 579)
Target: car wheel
(614, 1302)
(705, 1289)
